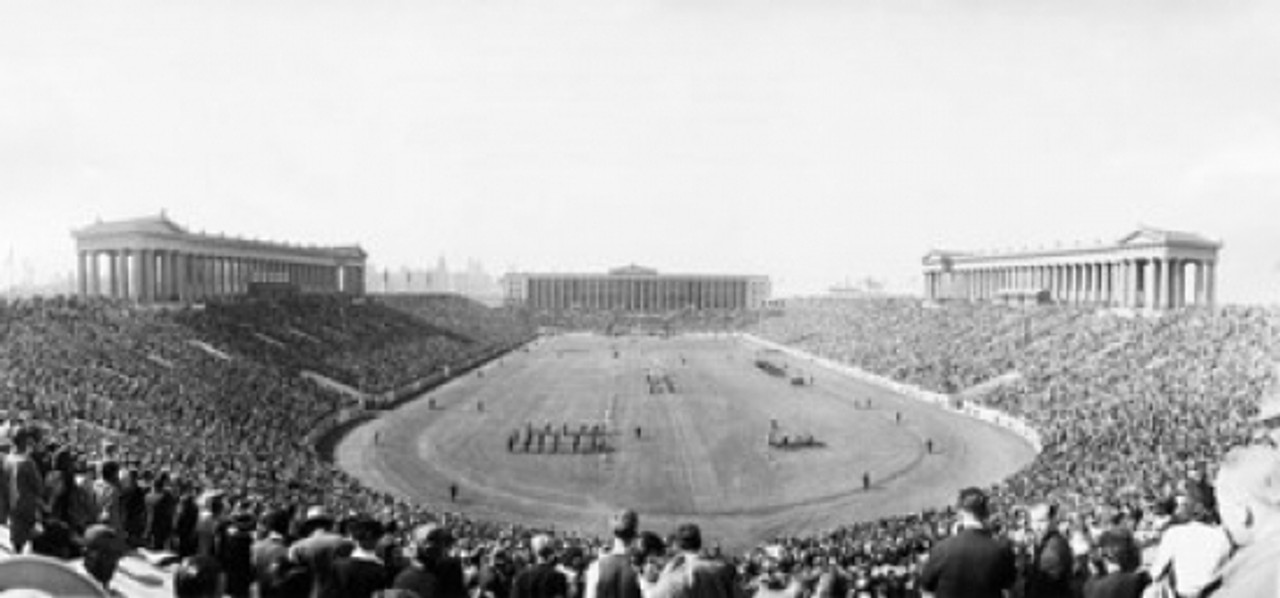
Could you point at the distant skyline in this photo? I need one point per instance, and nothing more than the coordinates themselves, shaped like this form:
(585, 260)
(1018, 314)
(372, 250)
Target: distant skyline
(811, 141)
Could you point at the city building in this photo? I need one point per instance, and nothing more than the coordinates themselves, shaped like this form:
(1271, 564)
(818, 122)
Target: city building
(635, 289)
(1146, 269)
(153, 260)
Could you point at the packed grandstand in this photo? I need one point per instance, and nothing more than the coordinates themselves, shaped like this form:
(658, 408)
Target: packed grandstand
(211, 415)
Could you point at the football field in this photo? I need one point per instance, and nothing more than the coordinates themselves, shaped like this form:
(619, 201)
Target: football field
(702, 454)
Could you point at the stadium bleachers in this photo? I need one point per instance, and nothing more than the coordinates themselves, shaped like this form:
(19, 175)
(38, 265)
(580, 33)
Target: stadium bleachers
(1132, 410)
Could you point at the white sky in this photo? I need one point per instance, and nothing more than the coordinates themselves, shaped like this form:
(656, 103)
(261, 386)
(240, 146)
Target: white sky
(810, 141)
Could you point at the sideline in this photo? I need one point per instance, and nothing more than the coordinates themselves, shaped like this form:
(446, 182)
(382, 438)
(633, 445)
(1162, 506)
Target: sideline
(993, 416)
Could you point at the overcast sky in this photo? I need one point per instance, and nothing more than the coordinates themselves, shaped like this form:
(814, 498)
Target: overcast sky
(809, 141)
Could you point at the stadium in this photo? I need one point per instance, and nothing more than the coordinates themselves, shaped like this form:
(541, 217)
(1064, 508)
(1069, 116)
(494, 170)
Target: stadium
(819, 433)
(632, 299)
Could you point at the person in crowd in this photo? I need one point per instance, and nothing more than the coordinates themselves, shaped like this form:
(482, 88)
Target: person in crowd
(541, 579)
(24, 489)
(273, 574)
(159, 504)
(235, 553)
(362, 573)
(649, 559)
(972, 563)
(434, 573)
(133, 506)
(1120, 558)
(1048, 572)
(1248, 487)
(690, 575)
(199, 577)
(210, 526)
(1193, 549)
(106, 493)
(612, 574)
(103, 549)
(317, 549)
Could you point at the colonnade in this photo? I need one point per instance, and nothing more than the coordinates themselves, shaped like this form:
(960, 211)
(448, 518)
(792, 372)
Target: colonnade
(1155, 282)
(157, 275)
(641, 295)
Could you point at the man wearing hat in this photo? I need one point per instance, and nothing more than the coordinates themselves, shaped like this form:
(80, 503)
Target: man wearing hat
(1248, 495)
(611, 575)
(434, 573)
(317, 551)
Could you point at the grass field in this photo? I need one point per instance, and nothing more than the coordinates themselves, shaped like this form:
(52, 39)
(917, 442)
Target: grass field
(702, 456)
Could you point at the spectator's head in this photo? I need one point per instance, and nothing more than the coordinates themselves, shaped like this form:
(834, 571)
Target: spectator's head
(1268, 418)
(366, 531)
(625, 525)
(1042, 517)
(543, 547)
(688, 538)
(103, 549)
(275, 521)
(317, 518)
(1196, 503)
(109, 471)
(1248, 486)
(431, 542)
(199, 577)
(973, 503)
(24, 440)
(1118, 550)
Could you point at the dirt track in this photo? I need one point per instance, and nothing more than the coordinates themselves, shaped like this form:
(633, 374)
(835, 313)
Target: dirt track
(702, 455)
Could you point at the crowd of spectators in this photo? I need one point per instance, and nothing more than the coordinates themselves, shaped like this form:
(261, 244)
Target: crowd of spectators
(181, 432)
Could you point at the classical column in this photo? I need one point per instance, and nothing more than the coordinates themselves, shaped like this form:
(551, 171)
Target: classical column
(82, 283)
(1100, 291)
(141, 277)
(1210, 283)
(1174, 270)
(1158, 268)
(95, 277)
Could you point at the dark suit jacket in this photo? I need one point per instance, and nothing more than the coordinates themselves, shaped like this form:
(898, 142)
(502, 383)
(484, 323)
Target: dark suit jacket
(1117, 585)
(1049, 573)
(540, 581)
(970, 564)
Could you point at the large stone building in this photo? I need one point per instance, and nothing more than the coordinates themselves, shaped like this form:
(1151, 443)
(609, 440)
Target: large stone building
(153, 260)
(1146, 269)
(635, 289)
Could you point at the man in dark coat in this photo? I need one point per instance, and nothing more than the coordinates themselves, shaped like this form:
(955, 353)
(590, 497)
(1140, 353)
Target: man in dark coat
(1048, 572)
(160, 506)
(434, 574)
(318, 550)
(970, 564)
(363, 572)
(541, 579)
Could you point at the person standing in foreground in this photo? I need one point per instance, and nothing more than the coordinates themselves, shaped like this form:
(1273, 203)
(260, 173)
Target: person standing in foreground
(611, 575)
(1048, 573)
(690, 575)
(970, 564)
(541, 579)
(1248, 488)
(25, 490)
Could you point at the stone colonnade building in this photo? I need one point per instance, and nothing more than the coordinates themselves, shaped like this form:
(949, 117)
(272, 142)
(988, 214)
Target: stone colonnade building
(635, 289)
(1148, 269)
(153, 260)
